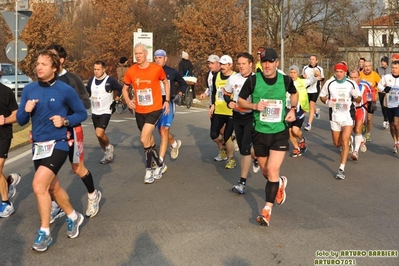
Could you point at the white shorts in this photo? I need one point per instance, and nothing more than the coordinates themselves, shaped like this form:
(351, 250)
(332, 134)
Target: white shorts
(337, 126)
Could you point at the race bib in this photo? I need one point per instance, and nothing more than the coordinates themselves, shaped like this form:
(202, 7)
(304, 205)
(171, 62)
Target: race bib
(145, 97)
(43, 149)
(342, 106)
(369, 96)
(393, 98)
(220, 94)
(272, 112)
(95, 103)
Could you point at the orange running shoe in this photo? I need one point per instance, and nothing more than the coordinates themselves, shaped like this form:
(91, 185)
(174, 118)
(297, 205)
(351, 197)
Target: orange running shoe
(281, 195)
(264, 218)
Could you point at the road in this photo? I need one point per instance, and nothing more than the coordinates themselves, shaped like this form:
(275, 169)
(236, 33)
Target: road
(191, 217)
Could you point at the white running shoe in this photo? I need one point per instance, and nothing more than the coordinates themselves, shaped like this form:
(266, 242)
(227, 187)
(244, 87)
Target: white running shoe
(56, 212)
(93, 205)
(255, 166)
(148, 178)
(109, 153)
(159, 170)
(6, 210)
(175, 151)
(15, 179)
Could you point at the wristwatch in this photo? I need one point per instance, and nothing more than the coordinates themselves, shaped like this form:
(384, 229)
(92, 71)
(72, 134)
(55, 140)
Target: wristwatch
(66, 122)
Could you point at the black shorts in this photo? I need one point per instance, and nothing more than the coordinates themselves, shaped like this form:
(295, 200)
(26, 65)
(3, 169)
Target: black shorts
(243, 127)
(54, 162)
(392, 113)
(217, 122)
(371, 107)
(313, 96)
(263, 143)
(150, 118)
(101, 121)
(296, 123)
(4, 147)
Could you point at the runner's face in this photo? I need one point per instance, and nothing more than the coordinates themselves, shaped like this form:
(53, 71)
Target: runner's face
(293, 74)
(98, 71)
(367, 68)
(140, 54)
(214, 66)
(395, 69)
(313, 60)
(340, 74)
(270, 68)
(225, 68)
(160, 60)
(355, 77)
(45, 70)
(244, 66)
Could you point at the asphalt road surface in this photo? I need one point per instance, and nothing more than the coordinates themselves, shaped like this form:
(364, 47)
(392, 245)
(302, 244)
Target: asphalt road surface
(191, 217)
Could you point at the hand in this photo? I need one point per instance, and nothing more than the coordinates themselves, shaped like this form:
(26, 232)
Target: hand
(131, 104)
(202, 96)
(291, 115)
(177, 99)
(58, 121)
(211, 110)
(30, 105)
(387, 89)
(232, 104)
(331, 102)
(166, 108)
(2, 120)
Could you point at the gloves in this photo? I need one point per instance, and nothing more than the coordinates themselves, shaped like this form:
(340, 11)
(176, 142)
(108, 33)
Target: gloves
(387, 89)
(113, 106)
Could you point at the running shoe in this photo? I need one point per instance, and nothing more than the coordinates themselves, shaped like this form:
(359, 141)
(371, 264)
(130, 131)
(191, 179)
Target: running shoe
(363, 147)
(93, 205)
(148, 178)
(340, 174)
(239, 188)
(308, 127)
(6, 210)
(73, 225)
(395, 148)
(15, 179)
(281, 195)
(296, 153)
(104, 160)
(219, 158)
(174, 152)
(42, 241)
(385, 124)
(368, 137)
(354, 156)
(255, 166)
(56, 212)
(223, 153)
(303, 146)
(159, 170)
(231, 163)
(109, 153)
(264, 218)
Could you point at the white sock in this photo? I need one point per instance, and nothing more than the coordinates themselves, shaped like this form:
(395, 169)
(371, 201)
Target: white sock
(161, 159)
(92, 195)
(174, 145)
(358, 141)
(73, 216)
(108, 147)
(47, 230)
(342, 167)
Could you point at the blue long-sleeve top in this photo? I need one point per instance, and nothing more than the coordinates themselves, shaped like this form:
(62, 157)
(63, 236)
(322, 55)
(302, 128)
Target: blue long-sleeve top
(55, 98)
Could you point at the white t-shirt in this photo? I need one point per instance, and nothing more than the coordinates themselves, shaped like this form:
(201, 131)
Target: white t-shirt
(233, 86)
(391, 99)
(340, 95)
(309, 71)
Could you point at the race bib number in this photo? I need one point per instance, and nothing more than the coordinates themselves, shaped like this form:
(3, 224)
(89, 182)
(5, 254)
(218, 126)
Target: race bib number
(341, 106)
(369, 96)
(95, 103)
(272, 112)
(343, 101)
(393, 97)
(43, 149)
(145, 97)
(220, 94)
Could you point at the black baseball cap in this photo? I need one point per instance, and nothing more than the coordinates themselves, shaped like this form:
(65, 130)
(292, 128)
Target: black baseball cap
(268, 54)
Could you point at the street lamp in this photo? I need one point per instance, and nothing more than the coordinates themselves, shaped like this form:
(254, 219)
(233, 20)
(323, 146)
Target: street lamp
(249, 27)
(282, 36)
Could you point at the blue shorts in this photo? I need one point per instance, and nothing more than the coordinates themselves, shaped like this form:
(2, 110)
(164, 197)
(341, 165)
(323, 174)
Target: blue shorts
(167, 120)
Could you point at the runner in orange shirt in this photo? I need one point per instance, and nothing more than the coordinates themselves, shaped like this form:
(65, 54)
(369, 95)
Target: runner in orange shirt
(372, 78)
(145, 77)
